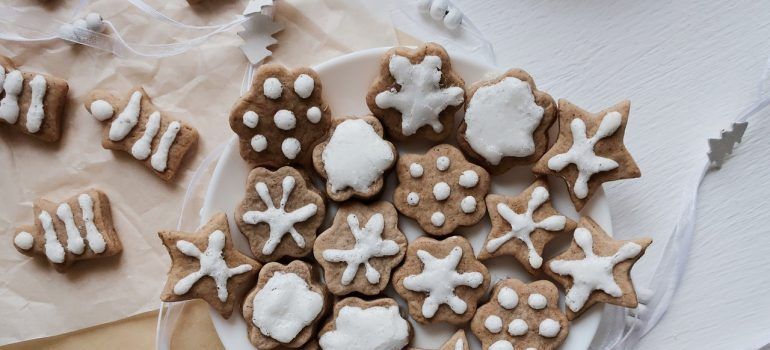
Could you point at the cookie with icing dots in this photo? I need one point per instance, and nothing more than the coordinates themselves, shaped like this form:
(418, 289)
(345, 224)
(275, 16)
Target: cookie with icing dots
(286, 305)
(441, 280)
(205, 265)
(359, 324)
(441, 190)
(361, 248)
(354, 158)
(416, 93)
(32, 103)
(596, 269)
(136, 126)
(458, 341)
(523, 225)
(506, 122)
(589, 150)
(524, 315)
(281, 118)
(80, 228)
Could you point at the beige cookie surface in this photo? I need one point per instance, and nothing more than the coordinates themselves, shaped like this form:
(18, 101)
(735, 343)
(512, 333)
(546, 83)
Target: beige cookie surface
(360, 324)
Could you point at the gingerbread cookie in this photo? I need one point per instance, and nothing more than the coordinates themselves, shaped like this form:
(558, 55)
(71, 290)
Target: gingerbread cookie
(441, 280)
(523, 225)
(441, 190)
(79, 228)
(416, 93)
(32, 103)
(596, 269)
(281, 118)
(279, 214)
(358, 324)
(285, 306)
(205, 265)
(506, 122)
(458, 341)
(137, 127)
(361, 247)
(354, 158)
(586, 162)
(526, 315)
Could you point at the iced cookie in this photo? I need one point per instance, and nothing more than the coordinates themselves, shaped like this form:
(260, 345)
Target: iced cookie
(458, 341)
(205, 265)
(137, 127)
(285, 306)
(506, 122)
(441, 280)
(32, 103)
(441, 190)
(79, 228)
(596, 269)
(523, 225)
(357, 324)
(354, 158)
(279, 214)
(361, 247)
(281, 118)
(524, 315)
(589, 150)
(416, 93)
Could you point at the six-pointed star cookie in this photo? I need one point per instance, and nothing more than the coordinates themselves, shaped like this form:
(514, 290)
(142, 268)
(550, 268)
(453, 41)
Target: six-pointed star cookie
(205, 265)
(589, 150)
(458, 341)
(596, 268)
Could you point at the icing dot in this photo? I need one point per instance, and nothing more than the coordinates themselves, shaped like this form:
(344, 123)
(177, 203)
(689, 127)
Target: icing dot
(250, 119)
(518, 327)
(501, 345)
(549, 328)
(24, 240)
(413, 198)
(493, 324)
(507, 298)
(313, 115)
(469, 178)
(415, 170)
(437, 219)
(441, 191)
(442, 163)
(285, 120)
(272, 88)
(101, 110)
(304, 85)
(290, 147)
(258, 143)
(537, 301)
(468, 204)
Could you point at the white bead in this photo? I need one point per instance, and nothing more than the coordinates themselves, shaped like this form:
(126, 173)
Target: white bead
(438, 9)
(94, 22)
(453, 18)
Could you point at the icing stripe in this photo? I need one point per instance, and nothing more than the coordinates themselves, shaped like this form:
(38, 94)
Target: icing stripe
(160, 157)
(35, 113)
(9, 105)
(75, 242)
(53, 248)
(95, 239)
(127, 119)
(143, 146)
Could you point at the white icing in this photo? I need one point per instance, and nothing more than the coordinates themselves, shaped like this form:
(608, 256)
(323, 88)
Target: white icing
(420, 98)
(127, 119)
(374, 328)
(272, 88)
(549, 328)
(24, 240)
(304, 85)
(36, 113)
(75, 243)
(285, 306)
(468, 204)
(593, 272)
(159, 159)
(413, 198)
(500, 120)
(93, 236)
(437, 219)
(101, 110)
(507, 298)
(441, 191)
(284, 120)
(53, 248)
(290, 147)
(9, 105)
(415, 170)
(250, 119)
(537, 301)
(369, 244)
(313, 115)
(212, 263)
(278, 219)
(469, 179)
(501, 345)
(143, 146)
(493, 324)
(460, 344)
(442, 163)
(356, 156)
(439, 278)
(582, 152)
(522, 225)
(518, 327)
(258, 143)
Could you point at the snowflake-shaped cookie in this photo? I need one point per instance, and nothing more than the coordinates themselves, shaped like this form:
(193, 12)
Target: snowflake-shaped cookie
(524, 315)
(417, 93)
(361, 247)
(441, 280)
(596, 268)
(281, 118)
(441, 190)
(280, 214)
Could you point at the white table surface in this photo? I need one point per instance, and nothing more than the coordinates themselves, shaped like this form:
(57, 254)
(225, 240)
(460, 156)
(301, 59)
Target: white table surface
(688, 67)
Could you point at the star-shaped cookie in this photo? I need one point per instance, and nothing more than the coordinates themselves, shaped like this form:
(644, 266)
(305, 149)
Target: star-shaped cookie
(205, 265)
(458, 341)
(589, 150)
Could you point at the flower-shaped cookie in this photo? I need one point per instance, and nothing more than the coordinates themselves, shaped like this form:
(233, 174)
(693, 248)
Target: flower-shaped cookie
(441, 280)
(361, 247)
(526, 315)
(359, 324)
(281, 118)
(354, 158)
(441, 190)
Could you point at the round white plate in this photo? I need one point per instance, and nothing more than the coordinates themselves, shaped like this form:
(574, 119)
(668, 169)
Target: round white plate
(346, 80)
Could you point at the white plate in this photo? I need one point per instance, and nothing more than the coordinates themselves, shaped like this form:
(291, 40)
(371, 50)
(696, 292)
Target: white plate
(346, 80)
